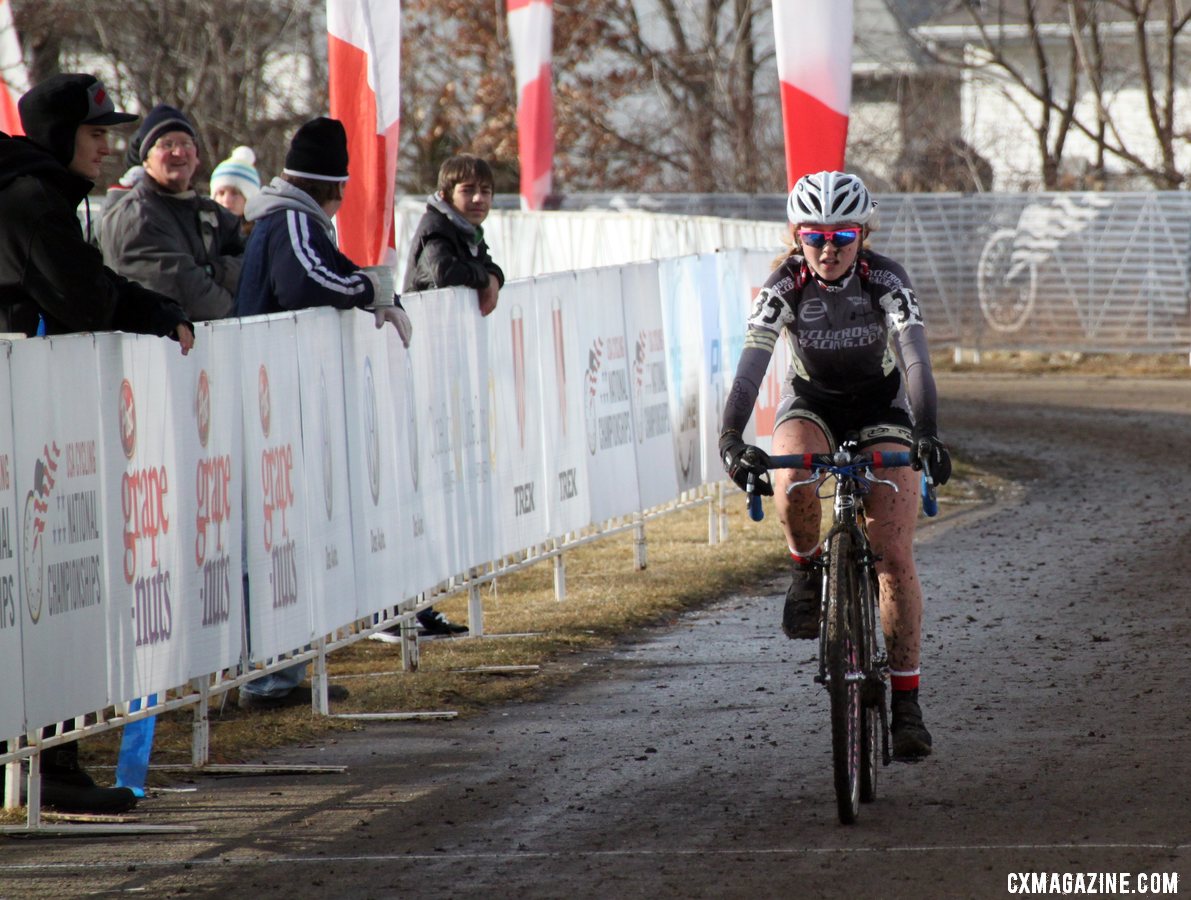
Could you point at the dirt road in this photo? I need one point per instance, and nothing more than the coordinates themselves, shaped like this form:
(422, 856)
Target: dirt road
(696, 762)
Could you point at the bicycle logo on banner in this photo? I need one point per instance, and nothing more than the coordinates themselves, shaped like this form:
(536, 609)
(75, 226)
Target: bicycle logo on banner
(1007, 274)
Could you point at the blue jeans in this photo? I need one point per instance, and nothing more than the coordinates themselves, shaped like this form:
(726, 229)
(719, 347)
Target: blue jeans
(276, 684)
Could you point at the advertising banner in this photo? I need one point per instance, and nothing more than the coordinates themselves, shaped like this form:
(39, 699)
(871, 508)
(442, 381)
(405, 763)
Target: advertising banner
(415, 548)
(12, 700)
(713, 392)
(206, 388)
(142, 472)
(325, 450)
(682, 324)
(278, 551)
(519, 476)
(58, 479)
(607, 405)
(757, 267)
(560, 362)
(649, 392)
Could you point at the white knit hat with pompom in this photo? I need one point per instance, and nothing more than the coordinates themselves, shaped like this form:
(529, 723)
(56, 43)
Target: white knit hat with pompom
(238, 171)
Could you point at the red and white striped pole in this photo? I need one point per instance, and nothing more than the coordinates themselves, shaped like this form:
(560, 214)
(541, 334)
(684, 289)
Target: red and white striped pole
(13, 78)
(364, 62)
(814, 64)
(530, 32)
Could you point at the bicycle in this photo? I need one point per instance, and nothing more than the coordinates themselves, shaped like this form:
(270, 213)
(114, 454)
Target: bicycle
(852, 661)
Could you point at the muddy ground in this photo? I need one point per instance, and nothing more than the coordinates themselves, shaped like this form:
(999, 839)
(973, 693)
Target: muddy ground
(696, 761)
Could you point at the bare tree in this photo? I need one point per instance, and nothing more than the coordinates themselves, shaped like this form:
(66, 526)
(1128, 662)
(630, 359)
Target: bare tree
(244, 71)
(1081, 69)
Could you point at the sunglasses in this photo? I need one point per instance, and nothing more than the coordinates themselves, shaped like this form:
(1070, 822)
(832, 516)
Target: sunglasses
(839, 238)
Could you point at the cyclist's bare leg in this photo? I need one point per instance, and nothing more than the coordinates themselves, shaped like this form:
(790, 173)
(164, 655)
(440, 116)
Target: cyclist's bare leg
(891, 521)
(799, 512)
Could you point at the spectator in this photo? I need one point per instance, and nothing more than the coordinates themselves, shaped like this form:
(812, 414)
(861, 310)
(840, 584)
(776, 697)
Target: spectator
(235, 181)
(448, 250)
(53, 281)
(292, 262)
(164, 234)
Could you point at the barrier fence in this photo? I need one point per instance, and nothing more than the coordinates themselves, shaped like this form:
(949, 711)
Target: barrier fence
(1086, 271)
(347, 479)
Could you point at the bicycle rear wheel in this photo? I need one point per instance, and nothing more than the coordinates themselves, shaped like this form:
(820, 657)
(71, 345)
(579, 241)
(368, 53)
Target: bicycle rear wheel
(844, 667)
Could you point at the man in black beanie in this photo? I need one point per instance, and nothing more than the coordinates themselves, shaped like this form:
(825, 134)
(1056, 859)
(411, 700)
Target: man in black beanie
(52, 281)
(163, 233)
(292, 262)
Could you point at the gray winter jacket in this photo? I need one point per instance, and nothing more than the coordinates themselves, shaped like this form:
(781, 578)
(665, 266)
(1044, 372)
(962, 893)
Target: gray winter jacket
(182, 245)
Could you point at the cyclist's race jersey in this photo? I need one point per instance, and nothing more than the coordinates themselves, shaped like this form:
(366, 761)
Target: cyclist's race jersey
(857, 344)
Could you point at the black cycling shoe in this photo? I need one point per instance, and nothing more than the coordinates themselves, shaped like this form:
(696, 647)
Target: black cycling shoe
(911, 740)
(800, 615)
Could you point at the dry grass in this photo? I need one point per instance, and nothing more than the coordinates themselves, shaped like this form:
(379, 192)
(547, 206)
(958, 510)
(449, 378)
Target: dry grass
(1124, 365)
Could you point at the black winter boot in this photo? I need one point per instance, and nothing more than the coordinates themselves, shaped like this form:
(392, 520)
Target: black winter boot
(67, 788)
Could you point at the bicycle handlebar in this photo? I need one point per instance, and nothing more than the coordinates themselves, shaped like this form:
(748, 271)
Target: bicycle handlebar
(825, 462)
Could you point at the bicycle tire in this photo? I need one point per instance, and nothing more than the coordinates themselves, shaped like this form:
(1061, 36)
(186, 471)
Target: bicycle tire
(843, 660)
(870, 721)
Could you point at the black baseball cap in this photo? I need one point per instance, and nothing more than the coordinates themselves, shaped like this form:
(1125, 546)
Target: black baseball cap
(52, 111)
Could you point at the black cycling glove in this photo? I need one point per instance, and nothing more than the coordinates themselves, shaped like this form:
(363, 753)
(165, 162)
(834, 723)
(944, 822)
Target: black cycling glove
(741, 460)
(932, 453)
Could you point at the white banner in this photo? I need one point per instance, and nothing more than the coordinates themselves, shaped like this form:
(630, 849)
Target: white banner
(415, 547)
(757, 267)
(279, 605)
(12, 700)
(514, 344)
(325, 451)
(657, 473)
(561, 366)
(206, 388)
(608, 413)
(683, 332)
(143, 503)
(58, 476)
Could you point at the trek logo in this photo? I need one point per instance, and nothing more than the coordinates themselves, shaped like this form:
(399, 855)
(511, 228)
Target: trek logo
(523, 498)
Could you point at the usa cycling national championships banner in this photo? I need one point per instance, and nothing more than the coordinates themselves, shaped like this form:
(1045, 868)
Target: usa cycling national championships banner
(12, 700)
(683, 325)
(60, 492)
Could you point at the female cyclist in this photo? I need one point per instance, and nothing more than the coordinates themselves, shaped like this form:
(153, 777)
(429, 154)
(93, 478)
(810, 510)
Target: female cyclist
(860, 367)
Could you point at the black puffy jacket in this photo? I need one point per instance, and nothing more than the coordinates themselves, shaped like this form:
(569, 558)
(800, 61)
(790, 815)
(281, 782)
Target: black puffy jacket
(443, 255)
(47, 268)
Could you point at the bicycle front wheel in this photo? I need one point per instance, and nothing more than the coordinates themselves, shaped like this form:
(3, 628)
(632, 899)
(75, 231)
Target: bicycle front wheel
(844, 652)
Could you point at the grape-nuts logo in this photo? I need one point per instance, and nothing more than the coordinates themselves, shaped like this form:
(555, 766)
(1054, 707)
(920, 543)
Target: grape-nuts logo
(371, 438)
(202, 408)
(127, 419)
(266, 404)
(37, 505)
(591, 385)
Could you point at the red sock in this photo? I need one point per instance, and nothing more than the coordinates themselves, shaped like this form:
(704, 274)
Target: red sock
(904, 681)
(803, 558)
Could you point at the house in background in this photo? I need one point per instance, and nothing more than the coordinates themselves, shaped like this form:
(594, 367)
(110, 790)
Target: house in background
(947, 96)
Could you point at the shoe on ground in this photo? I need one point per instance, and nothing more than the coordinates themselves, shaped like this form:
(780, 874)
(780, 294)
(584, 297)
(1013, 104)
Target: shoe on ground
(387, 636)
(299, 696)
(66, 787)
(432, 623)
(800, 615)
(911, 741)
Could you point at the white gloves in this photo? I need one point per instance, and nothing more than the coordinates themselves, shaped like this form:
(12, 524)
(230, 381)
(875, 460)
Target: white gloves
(385, 306)
(398, 318)
(382, 282)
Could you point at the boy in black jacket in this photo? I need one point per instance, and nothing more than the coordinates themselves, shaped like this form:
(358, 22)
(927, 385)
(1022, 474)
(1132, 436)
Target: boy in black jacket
(448, 248)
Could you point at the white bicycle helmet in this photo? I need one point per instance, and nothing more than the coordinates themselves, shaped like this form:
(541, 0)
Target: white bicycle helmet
(829, 198)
